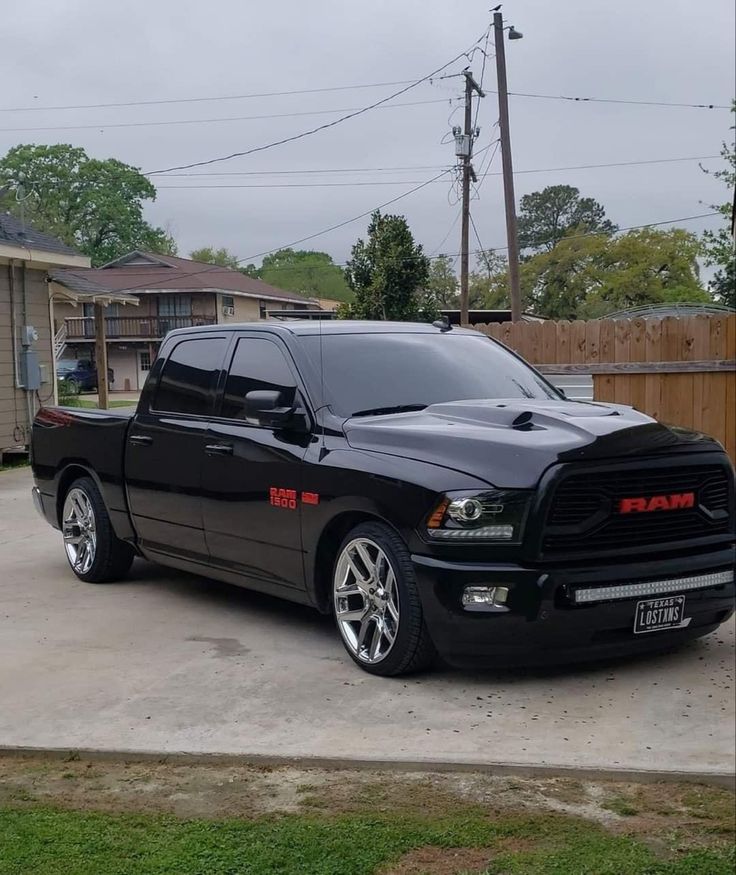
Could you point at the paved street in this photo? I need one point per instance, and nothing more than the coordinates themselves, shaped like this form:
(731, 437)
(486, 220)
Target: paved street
(171, 662)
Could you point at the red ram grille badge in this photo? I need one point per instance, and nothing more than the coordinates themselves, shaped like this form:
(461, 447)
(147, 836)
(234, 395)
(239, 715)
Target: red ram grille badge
(647, 504)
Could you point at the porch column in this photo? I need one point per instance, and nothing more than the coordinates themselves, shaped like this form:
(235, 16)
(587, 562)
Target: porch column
(101, 356)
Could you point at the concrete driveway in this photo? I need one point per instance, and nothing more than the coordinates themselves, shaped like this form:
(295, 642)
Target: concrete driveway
(171, 662)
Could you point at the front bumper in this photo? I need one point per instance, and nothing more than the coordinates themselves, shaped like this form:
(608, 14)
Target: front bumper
(542, 623)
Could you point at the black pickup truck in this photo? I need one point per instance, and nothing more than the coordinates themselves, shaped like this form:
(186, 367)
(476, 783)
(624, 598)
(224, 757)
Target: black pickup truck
(424, 485)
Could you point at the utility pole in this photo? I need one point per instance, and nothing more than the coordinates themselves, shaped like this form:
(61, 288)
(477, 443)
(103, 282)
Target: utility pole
(464, 150)
(508, 172)
(101, 356)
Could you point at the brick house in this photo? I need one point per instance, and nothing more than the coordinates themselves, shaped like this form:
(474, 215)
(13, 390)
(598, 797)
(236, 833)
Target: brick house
(172, 293)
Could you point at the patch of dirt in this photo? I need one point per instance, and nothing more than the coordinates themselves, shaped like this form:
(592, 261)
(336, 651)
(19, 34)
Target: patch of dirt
(650, 812)
(441, 861)
(456, 861)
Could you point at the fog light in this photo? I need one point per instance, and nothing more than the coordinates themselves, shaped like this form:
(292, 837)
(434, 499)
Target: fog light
(487, 596)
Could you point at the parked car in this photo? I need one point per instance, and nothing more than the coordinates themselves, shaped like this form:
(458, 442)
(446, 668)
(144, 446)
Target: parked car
(425, 486)
(80, 376)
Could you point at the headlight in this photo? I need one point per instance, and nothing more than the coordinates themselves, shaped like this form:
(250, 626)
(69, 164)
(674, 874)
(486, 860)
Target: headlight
(496, 515)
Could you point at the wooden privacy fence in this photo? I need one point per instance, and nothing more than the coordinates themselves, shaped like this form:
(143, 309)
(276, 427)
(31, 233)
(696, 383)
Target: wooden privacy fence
(681, 371)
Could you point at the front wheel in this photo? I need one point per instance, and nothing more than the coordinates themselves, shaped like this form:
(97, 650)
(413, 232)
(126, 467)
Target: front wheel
(95, 553)
(376, 603)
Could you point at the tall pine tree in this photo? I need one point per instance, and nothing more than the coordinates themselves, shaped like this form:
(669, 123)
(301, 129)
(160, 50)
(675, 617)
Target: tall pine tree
(389, 273)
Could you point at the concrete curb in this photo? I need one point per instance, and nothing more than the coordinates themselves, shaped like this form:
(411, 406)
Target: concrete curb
(647, 776)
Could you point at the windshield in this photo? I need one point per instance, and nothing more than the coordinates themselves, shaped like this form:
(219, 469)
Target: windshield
(378, 373)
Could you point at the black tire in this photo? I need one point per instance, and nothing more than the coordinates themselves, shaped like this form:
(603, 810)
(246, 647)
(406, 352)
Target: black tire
(412, 649)
(112, 557)
(73, 387)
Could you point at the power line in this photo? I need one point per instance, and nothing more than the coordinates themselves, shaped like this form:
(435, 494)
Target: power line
(304, 239)
(170, 100)
(293, 184)
(347, 221)
(322, 127)
(476, 252)
(333, 88)
(325, 170)
(358, 183)
(481, 248)
(621, 100)
(202, 121)
(488, 163)
(482, 75)
(449, 231)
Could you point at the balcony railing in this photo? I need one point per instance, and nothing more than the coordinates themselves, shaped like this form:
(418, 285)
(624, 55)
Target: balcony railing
(151, 327)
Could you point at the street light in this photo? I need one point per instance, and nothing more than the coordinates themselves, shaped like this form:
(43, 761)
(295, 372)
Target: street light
(508, 173)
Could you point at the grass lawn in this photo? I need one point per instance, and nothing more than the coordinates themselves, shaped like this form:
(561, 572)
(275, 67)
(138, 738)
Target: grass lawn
(12, 461)
(119, 819)
(85, 402)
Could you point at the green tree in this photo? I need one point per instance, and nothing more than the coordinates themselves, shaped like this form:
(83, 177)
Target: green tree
(588, 277)
(389, 273)
(488, 284)
(310, 273)
(209, 255)
(92, 204)
(546, 216)
(442, 282)
(251, 270)
(718, 246)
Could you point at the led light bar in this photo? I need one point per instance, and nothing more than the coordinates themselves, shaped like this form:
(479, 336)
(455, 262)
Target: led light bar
(652, 587)
(494, 533)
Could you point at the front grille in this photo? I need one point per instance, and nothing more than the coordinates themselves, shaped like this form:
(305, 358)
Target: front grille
(584, 517)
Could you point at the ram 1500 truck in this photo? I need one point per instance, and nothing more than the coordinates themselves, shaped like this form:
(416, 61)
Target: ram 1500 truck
(424, 485)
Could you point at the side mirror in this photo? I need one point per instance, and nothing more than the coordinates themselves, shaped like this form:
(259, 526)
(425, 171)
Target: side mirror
(270, 408)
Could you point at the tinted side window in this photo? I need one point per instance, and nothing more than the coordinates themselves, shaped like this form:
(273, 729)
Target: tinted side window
(256, 364)
(189, 376)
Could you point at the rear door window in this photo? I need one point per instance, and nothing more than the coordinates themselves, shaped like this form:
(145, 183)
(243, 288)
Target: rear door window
(189, 377)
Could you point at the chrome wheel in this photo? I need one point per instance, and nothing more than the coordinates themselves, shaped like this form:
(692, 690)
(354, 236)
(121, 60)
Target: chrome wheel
(79, 530)
(366, 600)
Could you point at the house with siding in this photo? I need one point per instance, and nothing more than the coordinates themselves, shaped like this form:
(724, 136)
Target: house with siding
(172, 293)
(26, 339)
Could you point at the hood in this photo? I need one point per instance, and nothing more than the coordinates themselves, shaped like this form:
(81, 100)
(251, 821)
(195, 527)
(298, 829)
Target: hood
(510, 443)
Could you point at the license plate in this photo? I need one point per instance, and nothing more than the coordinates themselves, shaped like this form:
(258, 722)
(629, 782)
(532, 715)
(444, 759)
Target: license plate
(654, 614)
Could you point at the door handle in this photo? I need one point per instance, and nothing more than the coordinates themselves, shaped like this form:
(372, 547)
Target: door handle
(141, 440)
(219, 449)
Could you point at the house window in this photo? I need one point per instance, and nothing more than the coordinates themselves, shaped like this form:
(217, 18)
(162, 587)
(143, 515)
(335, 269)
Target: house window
(228, 301)
(262, 314)
(175, 305)
(145, 360)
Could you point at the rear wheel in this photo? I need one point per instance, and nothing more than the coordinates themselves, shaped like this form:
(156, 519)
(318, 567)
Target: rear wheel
(72, 387)
(376, 603)
(94, 552)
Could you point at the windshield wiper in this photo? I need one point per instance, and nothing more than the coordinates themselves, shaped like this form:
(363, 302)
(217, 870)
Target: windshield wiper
(396, 408)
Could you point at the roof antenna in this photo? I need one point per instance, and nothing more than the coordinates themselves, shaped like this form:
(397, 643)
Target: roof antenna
(443, 323)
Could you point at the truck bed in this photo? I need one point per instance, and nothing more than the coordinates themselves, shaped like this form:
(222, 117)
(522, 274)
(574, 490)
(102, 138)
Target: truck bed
(80, 442)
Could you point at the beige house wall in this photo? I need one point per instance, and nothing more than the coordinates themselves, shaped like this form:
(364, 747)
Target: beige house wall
(14, 415)
(246, 310)
(123, 360)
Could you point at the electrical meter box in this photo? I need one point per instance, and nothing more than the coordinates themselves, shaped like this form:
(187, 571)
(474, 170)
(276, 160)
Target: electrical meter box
(29, 335)
(30, 370)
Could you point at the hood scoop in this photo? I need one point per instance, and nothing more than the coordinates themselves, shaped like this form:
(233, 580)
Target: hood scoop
(521, 415)
(509, 442)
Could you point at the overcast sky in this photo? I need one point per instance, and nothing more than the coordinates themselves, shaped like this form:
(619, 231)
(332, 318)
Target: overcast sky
(87, 52)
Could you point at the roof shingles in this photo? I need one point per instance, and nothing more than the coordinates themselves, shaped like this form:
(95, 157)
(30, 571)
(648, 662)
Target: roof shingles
(16, 233)
(170, 273)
